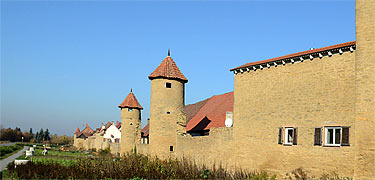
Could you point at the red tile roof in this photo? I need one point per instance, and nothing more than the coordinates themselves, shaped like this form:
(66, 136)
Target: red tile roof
(168, 69)
(130, 102)
(145, 130)
(192, 109)
(106, 126)
(214, 110)
(118, 124)
(298, 54)
(87, 131)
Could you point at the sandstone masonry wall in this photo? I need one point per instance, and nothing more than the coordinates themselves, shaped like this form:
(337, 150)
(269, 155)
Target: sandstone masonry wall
(365, 90)
(165, 108)
(213, 149)
(130, 129)
(305, 95)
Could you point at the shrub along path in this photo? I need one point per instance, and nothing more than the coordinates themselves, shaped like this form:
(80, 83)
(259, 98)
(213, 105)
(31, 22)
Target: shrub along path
(6, 161)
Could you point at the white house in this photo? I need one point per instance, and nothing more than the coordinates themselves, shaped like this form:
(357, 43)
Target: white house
(113, 133)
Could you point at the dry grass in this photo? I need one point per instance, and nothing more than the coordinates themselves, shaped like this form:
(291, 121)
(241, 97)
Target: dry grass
(131, 166)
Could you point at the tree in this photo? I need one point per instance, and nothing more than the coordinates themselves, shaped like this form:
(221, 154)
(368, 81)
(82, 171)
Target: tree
(40, 138)
(8, 135)
(61, 140)
(31, 133)
(46, 135)
(36, 136)
(13, 135)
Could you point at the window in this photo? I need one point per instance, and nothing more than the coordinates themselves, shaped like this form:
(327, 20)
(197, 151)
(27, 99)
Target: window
(288, 137)
(168, 112)
(170, 148)
(336, 136)
(130, 109)
(168, 85)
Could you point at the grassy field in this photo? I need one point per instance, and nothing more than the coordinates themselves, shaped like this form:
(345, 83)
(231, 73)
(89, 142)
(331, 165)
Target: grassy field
(56, 155)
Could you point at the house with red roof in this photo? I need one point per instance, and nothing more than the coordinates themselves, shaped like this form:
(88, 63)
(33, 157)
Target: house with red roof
(101, 138)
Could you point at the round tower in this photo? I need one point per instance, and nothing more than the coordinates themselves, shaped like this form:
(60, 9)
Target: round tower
(130, 123)
(166, 107)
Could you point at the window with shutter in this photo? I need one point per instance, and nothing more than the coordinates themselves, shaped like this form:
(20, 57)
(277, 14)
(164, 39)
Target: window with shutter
(345, 136)
(318, 136)
(281, 135)
(294, 136)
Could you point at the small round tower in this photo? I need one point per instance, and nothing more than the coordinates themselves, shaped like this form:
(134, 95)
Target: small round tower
(130, 123)
(166, 107)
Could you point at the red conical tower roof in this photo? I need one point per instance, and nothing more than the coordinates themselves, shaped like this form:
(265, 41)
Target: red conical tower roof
(130, 102)
(168, 69)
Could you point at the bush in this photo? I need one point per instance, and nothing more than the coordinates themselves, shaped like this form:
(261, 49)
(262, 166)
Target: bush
(6, 150)
(131, 166)
(106, 151)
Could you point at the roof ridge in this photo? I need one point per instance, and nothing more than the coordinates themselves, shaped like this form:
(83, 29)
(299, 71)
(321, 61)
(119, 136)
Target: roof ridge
(221, 94)
(297, 54)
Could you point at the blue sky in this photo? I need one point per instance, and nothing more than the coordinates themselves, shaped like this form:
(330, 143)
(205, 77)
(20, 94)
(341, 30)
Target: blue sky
(65, 63)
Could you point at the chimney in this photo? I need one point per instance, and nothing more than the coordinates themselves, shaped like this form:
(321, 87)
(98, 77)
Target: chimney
(229, 119)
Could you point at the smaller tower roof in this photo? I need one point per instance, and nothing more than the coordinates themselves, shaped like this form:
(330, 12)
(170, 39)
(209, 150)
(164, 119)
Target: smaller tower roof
(168, 69)
(130, 102)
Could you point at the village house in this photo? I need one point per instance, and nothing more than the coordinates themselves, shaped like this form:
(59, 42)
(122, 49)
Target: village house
(103, 137)
(313, 109)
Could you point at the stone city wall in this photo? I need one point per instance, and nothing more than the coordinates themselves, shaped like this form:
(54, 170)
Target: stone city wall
(213, 149)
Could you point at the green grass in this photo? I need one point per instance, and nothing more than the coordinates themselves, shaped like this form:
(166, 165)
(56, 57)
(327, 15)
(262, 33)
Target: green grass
(51, 160)
(54, 153)
(55, 156)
